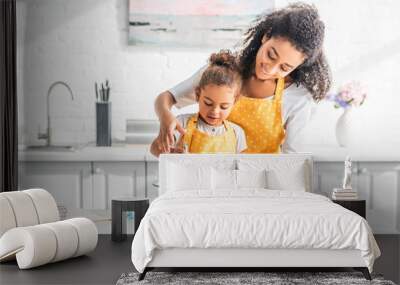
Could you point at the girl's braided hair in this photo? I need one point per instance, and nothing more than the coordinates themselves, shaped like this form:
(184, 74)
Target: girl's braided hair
(300, 24)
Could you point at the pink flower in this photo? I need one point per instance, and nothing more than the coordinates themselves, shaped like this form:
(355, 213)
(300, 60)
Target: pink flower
(351, 94)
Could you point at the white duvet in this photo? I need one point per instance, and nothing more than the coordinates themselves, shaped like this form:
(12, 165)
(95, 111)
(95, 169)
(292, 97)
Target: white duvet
(252, 218)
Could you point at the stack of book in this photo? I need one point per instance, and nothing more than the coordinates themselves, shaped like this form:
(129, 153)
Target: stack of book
(344, 194)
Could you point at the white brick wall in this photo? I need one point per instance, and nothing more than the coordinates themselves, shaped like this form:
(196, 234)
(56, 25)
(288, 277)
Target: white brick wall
(81, 42)
(85, 41)
(362, 43)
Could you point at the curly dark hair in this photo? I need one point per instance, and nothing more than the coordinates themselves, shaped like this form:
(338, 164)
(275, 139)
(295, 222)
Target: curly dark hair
(300, 24)
(222, 69)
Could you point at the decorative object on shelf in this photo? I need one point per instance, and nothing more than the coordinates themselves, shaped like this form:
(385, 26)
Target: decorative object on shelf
(103, 115)
(346, 192)
(343, 194)
(344, 127)
(347, 174)
(349, 95)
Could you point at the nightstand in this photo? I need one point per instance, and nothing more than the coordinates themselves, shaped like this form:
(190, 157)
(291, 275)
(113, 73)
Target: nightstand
(118, 207)
(357, 206)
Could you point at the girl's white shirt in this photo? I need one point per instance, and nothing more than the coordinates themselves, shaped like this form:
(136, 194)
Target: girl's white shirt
(297, 107)
(202, 126)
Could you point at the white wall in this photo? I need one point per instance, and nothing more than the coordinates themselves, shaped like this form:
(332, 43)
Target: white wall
(362, 43)
(81, 42)
(85, 41)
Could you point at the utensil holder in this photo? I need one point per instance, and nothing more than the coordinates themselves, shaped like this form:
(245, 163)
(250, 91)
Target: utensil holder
(103, 123)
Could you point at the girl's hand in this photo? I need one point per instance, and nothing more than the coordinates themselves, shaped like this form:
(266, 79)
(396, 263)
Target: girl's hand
(168, 124)
(177, 150)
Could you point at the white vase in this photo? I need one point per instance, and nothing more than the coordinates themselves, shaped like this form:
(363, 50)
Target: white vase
(345, 128)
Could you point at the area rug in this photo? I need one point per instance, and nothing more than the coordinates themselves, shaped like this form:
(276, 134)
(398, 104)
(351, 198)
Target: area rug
(243, 278)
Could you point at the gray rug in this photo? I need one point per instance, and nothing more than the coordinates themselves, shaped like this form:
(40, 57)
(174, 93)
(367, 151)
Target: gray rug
(242, 278)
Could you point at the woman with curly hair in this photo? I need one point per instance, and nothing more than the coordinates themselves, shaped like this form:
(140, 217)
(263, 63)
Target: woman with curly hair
(283, 70)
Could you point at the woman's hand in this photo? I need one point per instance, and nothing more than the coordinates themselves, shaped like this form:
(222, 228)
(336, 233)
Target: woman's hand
(168, 125)
(168, 122)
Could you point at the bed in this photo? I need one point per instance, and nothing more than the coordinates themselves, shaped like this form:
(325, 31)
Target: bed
(246, 211)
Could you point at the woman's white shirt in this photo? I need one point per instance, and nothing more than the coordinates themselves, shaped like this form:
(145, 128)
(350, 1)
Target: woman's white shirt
(297, 107)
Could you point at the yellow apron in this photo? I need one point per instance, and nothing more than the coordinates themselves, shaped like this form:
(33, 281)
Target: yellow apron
(199, 142)
(261, 120)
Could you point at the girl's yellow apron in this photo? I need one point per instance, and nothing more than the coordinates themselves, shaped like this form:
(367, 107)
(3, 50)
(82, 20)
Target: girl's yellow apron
(261, 120)
(199, 142)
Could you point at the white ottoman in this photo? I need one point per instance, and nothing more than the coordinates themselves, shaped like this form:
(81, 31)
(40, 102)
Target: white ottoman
(31, 233)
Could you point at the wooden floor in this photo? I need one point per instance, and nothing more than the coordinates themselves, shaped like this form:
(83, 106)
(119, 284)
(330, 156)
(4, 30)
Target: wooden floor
(102, 266)
(110, 260)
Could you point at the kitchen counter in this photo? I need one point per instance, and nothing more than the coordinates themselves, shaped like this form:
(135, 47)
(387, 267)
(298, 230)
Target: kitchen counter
(117, 152)
(126, 152)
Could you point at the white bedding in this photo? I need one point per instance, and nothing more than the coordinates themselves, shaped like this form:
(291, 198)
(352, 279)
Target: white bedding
(251, 218)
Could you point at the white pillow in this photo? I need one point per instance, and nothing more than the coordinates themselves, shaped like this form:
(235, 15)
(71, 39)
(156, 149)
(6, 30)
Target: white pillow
(228, 179)
(183, 177)
(224, 179)
(251, 178)
(281, 175)
(294, 180)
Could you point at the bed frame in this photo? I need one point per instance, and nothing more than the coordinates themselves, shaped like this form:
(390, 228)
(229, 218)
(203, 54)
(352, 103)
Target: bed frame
(249, 259)
(242, 259)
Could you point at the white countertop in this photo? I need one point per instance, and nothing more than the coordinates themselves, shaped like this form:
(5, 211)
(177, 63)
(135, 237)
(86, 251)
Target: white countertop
(117, 152)
(126, 152)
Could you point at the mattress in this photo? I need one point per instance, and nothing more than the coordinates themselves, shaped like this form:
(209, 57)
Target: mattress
(250, 219)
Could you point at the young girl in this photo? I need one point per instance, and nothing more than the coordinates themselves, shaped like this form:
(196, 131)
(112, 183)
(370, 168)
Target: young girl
(208, 131)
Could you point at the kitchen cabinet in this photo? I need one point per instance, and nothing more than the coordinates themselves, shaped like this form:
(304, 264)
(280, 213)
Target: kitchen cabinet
(85, 185)
(117, 179)
(92, 184)
(70, 183)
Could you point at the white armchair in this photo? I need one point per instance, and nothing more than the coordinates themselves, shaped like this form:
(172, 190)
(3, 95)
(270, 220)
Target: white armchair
(31, 232)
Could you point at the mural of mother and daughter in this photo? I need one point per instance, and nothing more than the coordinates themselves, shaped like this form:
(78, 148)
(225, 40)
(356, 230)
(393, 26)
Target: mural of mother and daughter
(256, 100)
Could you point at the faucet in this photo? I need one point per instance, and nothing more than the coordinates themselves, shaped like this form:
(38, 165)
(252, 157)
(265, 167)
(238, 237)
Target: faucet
(47, 135)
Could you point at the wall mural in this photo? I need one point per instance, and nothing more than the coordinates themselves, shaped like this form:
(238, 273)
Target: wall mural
(202, 23)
